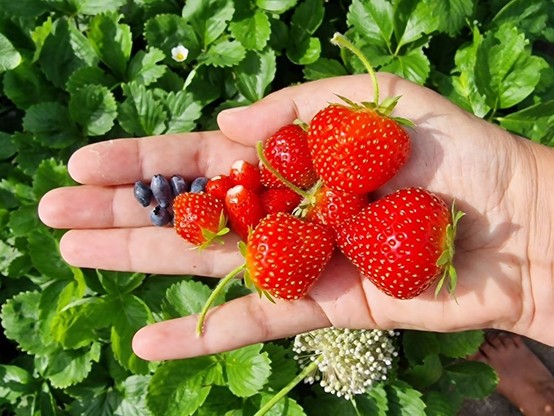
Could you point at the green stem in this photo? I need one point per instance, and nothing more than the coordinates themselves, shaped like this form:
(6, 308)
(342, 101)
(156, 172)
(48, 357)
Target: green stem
(283, 392)
(343, 42)
(260, 151)
(222, 283)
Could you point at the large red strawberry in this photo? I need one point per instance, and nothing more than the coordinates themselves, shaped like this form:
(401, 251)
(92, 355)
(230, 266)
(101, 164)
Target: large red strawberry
(403, 242)
(279, 200)
(287, 152)
(244, 209)
(199, 218)
(246, 174)
(355, 148)
(285, 255)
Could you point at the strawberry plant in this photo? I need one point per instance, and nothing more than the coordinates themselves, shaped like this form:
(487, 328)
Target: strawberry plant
(73, 72)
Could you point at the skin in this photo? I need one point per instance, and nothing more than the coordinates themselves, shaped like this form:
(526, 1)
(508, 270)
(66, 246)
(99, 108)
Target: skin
(499, 180)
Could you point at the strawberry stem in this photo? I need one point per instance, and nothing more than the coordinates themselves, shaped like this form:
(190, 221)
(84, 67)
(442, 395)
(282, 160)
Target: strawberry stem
(306, 371)
(260, 151)
(215, 293)
(341, 41)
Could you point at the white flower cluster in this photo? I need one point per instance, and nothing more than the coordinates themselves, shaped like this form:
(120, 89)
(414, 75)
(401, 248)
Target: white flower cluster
(349, 361)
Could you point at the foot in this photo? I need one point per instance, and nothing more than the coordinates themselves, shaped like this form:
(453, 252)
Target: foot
(523, 378)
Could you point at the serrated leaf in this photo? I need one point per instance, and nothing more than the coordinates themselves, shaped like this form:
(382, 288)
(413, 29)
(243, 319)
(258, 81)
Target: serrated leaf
(89, 76)
(535, 122)
(219, 402)
(284, 407)
(414, 66)
(64, 368)
(179, 388)
(414, 20)
(460, 344)
(255, 73)
(453, 14)
(305, 52)
(93, 7)
(51, 124)
(166, 31)
(377, 403)
(8, 255)
(43, 248)
(50, 174)
(144, 67)
(208, 18)
(424, 374)
(247, 370)
(284, 367)
(276, 6)
(470, 379)
(186, 298)
(183, 111)
(15, 382)
(141, 113)
(506, 72)
(94, 108)
(439, 404)
(112, 41)
(223, 53)
(373, 20)
(251, 28)
(531, 17)
(120, 283)
(10, 58)
(404, 400)
(26, 85)
(130, 314)
(419, 344)
(7, 147)
(324, 68)
(29, 8)
(307, 18)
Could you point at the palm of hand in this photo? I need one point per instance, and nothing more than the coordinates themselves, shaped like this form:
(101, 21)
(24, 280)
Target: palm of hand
(454, 155)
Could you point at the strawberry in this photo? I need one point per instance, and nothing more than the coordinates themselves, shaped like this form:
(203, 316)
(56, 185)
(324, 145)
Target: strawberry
(244, 210)
(279, 200)
(287, 152)
(285, 255)
(355, 148)
(219, 185)
(403, 242)
(199, 218)
(246, 174)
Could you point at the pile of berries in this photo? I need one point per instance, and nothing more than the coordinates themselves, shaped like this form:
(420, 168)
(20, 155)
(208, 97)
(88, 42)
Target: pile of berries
(312, 193)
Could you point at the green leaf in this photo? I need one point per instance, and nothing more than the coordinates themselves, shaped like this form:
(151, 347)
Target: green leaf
(120, 283)
(144, 67)
(94, 107)
(307, 18)
(472, 379)
(28, 8)
(378, 401)
(413, 20)
(452, 14)
(93, 7)
(531, 17)
(208, 18)
(306, 52)
(51, 174)
(130, 314)
(535, 122)
(251, 28)
(419, 344)
(166, 31)
(373, 20)
(43, 248)
(179, 388)
(284, 407)
(247, 370)
(414, 66)
(255, 74)
(64, 51)
(460, 344)
(141, 113)
(51, 124)
(85, 76)
(284, 367)
(14, 383)
(21, 323)
(9, 56)
(324, 68)
(506, 72)
(276, 6)
(186, 298)
(64, 368)
(404, 400)
(8, 255)
(183, 111)
(7, 147)
(220, 401)
(112, 41)
(223, 53)
(439, 404)
(424, 374)
(24, 220)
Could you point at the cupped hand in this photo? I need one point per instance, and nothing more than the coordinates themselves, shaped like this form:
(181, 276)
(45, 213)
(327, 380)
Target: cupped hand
(485, 169)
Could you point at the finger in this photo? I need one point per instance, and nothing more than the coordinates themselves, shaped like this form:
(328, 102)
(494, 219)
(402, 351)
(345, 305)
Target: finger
(156, 250)
(90, 206)
(125, 161)
(244, 321)
(258, 121)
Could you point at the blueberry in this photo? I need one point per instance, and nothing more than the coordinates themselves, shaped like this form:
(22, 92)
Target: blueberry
(178, 185)
(160, 216)
(198, 184)
(161, 190)
(143, 193)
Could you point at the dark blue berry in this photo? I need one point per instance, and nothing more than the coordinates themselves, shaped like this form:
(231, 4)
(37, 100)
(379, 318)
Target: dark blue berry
(160, 216)
(198, 184)
(143, 193)
(161, 190)
(178, 185)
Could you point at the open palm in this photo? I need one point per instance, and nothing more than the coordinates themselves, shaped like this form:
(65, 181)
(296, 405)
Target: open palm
(485, 169)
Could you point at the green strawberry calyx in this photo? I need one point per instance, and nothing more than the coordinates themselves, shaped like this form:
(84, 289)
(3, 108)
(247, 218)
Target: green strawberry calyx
(445, 260)
(383, 108)
(214, 237)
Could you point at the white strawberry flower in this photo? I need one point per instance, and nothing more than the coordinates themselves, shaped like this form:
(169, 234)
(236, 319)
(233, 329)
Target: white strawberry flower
(179, 53)
(347, 362)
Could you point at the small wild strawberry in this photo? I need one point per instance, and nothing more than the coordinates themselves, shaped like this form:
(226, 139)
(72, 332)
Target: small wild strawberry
(219, 185)
(403, 242)
(246, 174)
(244, 210)
(199, 218)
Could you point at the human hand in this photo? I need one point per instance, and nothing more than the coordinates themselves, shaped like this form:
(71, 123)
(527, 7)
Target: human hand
(500, 245)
